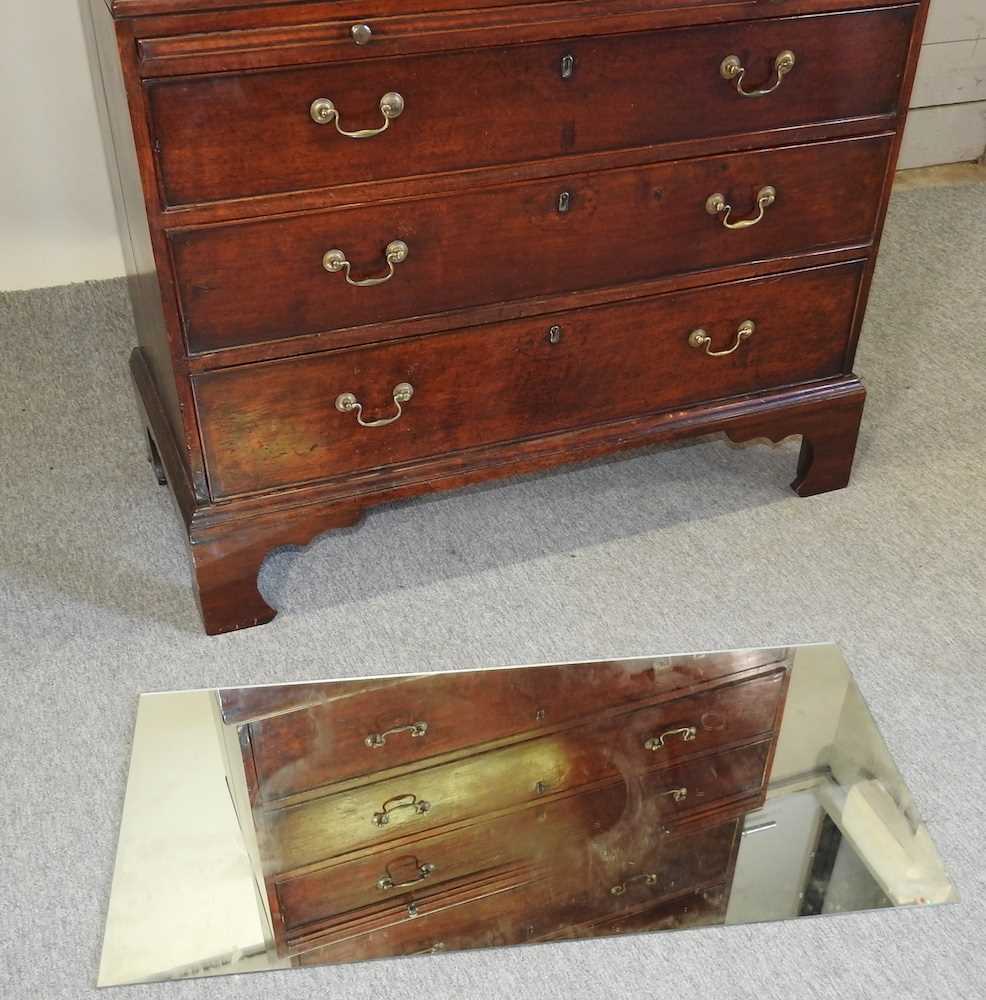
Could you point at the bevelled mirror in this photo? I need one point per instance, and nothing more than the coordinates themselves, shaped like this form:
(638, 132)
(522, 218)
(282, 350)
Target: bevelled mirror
(339, 821)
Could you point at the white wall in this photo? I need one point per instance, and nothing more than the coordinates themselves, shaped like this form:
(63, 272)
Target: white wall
(57, 223)
(947, 123)
(56, 214)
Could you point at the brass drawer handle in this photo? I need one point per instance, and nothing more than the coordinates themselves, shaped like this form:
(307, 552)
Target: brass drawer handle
(700, 339)
(733, 69)
(677, 794)
(375, 740)
(687, 734)
(394, 253)
(391, 806)
(386, 881)
(347, 402)
(649, 878)
(717, 205)
(324, 111)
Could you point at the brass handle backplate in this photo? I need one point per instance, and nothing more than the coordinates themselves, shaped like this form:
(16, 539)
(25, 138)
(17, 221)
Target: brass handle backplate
(687, 734)
(387, 880)
(732, 69)
(716, 204)
(394, 253)
(382, 818)
(699, 339)
(346, 402)
(375, 740)
(323, 112)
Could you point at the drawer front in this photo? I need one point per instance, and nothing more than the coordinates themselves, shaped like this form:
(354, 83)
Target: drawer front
(251, 282)
(522, 775)
(652, 869)
(433, 861)
(602, 857)
(512, 914)
(275, 424)
(514, 104)
(699, 908)
(358, 733)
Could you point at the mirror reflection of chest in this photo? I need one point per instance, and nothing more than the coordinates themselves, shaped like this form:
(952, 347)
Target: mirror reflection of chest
(576, 795)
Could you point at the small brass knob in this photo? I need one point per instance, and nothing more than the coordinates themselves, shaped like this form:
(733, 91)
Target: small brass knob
(362, 34)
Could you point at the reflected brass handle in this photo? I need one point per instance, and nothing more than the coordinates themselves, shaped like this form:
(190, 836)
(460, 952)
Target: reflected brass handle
(649, 878)
(394, 253)
(324, 111)
(716, 204)
(677, 794)
(346, 402)
(687, 734)
(386, 881)
(375, 740)
(699, 339)
(389, 807)
(733, 69)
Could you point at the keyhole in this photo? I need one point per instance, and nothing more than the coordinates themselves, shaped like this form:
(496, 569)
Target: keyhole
(567, 67)
(564, 201)
(554, 337)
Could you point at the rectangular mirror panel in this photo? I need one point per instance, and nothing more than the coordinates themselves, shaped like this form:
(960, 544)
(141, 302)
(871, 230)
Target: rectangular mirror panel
(340, 821)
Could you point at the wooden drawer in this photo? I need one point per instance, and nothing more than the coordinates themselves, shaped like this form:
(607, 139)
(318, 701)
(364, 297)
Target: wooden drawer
(593, 836)
(586, 876)
(462, 110)
(652, 868)
(396, 809)
(449, 858)
(516, 917)
(346, 731)
(502, 912)
(697, 908)
(249, 282)
(274, 424)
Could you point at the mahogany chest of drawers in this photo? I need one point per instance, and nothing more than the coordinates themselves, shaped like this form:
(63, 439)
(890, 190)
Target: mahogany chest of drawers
(386, 247)
(387, 817)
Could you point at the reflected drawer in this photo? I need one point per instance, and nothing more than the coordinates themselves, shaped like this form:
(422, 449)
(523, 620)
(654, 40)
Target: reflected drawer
(278, 423)
(243, 283)
(591, 871)
(461, 110)
(355, 731)
(696, 908)
(498, 913)
(399, 811)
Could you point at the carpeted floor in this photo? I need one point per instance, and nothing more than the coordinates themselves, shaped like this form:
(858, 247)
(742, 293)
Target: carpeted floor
(696, 547)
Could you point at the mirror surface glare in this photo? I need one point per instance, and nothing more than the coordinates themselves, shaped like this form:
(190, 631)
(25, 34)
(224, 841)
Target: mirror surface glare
(338, 821)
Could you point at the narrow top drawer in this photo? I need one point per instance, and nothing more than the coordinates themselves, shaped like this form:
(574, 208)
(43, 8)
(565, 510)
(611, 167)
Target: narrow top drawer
(231, 136)
(341, 8)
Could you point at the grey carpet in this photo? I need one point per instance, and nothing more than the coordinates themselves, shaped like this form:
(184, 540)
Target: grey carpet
(689, 548)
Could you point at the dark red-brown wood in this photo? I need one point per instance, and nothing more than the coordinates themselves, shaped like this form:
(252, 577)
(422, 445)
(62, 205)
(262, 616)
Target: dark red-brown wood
(207, 126)
(621, 827)
(247, 283)
(233, 275)
(271, 425)
(318, 746)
